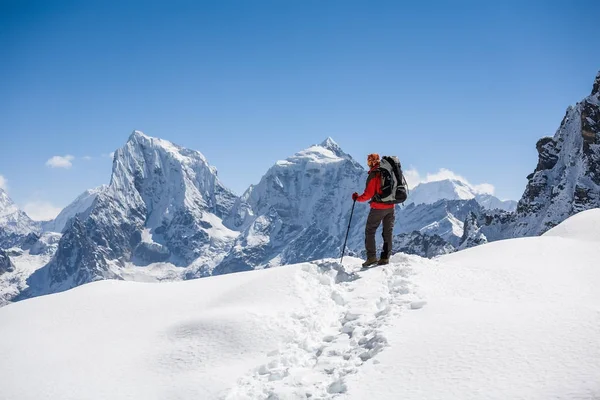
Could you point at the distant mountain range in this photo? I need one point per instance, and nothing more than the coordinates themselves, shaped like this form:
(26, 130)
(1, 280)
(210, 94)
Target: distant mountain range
(165, 215)
(454, 189)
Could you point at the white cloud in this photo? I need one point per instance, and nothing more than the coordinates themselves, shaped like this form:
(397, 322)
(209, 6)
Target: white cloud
(485, 188)
(413, 178)
(60, 161)
(86, 158)
(110, 155)
(3, 183)
(41, 210)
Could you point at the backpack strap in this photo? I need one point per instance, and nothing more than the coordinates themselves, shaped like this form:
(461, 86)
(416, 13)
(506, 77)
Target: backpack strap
(372, 175)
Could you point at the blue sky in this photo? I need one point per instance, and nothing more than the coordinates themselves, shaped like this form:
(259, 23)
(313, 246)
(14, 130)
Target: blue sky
(460, 85)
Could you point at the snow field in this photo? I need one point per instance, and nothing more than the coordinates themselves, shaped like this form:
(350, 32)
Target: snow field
(513, 319)
(277, 333)
(340, 329)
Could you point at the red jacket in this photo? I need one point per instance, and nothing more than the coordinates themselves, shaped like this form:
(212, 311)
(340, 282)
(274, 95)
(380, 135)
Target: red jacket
(373, 188)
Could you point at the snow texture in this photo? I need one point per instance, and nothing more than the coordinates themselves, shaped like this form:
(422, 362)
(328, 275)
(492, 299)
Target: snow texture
(513, 319)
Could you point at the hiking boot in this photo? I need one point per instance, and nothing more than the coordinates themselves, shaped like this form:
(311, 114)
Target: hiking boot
(370, 261)
(383, 261)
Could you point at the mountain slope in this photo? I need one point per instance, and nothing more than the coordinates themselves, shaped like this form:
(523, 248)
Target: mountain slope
(164, 203)
(299, 211)
(566, 179)
(15, 225)
(497, 319)
(81, 205)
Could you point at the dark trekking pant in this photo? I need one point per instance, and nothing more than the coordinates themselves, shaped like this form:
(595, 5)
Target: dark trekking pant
(375, 218)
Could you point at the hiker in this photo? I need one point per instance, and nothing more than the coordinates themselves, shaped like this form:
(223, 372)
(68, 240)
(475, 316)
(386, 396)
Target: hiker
(379, 212)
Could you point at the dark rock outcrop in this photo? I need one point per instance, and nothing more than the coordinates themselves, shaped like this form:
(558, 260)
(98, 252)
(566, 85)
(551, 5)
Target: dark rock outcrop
(6, 264)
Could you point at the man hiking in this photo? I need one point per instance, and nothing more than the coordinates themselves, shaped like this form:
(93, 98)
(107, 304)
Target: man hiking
(379, 212)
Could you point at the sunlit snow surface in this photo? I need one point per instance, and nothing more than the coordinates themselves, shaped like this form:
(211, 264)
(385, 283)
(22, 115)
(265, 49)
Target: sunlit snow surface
(515, 319)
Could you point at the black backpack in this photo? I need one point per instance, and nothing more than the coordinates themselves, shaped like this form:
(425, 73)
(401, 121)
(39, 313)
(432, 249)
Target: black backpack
(394, 189)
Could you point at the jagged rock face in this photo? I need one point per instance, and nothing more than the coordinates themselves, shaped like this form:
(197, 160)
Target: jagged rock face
(421, 244)
(566, 179)
(472, 236)
(163, 203)
(596, 86)
(78, 260)
(299, 211)
(15, 225)
(5, 264)
(443, 218)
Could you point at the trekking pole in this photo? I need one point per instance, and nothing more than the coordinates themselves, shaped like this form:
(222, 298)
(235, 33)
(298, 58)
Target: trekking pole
(347, 232)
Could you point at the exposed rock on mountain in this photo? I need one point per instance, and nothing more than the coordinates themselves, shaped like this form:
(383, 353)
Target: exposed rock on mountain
(15, 225)
(566, 179)
(5, 264)
(299, 211)
(421, 244)
(472, 235)
(163, 202)
(80, 206)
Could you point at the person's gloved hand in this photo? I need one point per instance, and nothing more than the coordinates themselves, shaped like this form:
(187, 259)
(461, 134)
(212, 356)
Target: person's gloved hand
(354, 196)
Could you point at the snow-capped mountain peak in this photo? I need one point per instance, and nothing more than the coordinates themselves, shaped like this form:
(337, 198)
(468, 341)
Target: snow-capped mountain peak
(164, 204)
(7, 206)
(81, 205)
(327, 151)
(14, 223)
(163, 175)
(331, 145)
(298, 210)
(456, 189)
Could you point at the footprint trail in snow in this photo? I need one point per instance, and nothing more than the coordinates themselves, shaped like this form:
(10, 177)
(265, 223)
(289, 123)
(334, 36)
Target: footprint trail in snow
(340, 329)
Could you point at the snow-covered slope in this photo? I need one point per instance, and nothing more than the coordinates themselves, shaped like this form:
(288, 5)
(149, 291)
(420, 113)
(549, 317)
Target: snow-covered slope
(81, 205)
(513, 319)
(14, 223)
(299, 211)
(455, 189)
(164, 203)
(37, 252)
(506, 320)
